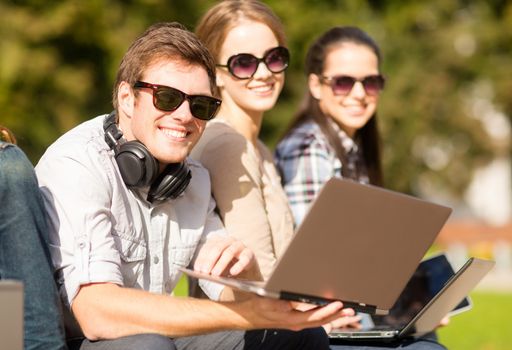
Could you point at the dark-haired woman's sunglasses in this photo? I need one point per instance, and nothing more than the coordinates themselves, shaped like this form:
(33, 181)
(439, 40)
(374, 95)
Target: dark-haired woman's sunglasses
(168, 99)
(244, 65)
(343, 84)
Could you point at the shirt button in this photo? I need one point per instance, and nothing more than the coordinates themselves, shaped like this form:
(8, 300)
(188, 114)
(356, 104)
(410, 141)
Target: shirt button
(156, 259)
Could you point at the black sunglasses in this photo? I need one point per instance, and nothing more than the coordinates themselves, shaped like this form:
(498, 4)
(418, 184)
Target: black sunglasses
(244, 65)
(168, 99)
(343, 84)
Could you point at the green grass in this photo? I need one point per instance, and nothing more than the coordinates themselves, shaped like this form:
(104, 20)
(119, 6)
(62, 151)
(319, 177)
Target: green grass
(181, 289)
(487, 326)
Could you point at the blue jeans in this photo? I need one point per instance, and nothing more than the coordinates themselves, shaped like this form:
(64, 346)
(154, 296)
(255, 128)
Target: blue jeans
(24, 252)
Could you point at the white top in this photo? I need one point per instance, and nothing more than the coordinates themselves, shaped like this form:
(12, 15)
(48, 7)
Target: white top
(100, 231)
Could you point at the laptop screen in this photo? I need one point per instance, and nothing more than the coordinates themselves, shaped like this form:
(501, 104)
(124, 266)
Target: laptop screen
(428, 279)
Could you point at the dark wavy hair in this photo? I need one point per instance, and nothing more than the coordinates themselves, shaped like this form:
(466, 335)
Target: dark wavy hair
(310, 109)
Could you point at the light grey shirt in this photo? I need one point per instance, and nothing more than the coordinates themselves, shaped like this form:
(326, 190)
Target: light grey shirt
(100, 231)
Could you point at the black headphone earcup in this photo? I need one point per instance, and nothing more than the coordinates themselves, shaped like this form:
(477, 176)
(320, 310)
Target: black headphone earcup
(171, 183)
(136, 164)
(139, 168)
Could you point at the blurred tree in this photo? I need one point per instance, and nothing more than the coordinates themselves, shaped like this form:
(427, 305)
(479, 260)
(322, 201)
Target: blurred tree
(448, 91)
(444, 110)
(59, 60)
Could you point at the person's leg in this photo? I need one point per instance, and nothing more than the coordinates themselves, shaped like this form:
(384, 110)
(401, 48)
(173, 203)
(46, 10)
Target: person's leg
(314, 339)
(134, 342)
(311, 338)
(24, 253)
(228, 340)
(425, 343)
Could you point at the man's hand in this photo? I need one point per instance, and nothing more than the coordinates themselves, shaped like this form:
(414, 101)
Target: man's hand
(349, 318)
(261, 312)
(224, 256)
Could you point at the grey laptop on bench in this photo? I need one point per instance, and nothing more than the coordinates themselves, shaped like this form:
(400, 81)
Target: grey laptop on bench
(11, 315)
(355, 240)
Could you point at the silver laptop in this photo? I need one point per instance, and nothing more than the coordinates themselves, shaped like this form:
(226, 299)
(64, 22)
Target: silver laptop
(11, 315)
(366, 236)
(451, 298)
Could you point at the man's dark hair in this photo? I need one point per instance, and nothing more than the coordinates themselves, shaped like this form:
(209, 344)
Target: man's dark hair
(163, 41)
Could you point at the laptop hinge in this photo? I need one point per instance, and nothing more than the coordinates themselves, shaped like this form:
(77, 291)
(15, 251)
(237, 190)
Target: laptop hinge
(303, 298)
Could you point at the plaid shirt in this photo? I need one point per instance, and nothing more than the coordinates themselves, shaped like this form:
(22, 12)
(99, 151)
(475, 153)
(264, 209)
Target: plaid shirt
(306, 161)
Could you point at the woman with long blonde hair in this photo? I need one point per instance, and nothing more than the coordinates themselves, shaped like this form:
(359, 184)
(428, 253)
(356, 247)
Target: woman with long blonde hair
(247, 41)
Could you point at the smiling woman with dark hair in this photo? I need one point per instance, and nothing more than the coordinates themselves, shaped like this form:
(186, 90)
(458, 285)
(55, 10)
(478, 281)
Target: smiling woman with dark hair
(335, 132)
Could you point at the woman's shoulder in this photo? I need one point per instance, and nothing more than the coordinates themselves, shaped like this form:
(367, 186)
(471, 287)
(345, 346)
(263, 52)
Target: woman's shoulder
(221, 133)
(218, 136)
(306, 135)
(265, 152)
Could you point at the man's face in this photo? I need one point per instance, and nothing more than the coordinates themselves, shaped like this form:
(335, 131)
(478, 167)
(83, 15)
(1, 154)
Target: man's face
(169, 136)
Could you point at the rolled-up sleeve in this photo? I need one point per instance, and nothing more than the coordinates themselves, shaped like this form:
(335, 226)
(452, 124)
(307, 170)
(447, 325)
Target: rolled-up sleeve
(78, 196)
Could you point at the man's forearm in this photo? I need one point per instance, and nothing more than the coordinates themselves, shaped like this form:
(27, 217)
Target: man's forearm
(107, 311)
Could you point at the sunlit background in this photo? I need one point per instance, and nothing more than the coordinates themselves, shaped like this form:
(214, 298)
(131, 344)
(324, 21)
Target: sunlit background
(445, 115)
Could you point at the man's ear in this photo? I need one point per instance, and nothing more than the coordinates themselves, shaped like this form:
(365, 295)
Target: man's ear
(315, 86)
(125, 99)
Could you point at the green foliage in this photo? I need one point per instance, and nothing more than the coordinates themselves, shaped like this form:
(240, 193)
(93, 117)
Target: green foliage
(439, 60)
(59, 60)
(446, 62)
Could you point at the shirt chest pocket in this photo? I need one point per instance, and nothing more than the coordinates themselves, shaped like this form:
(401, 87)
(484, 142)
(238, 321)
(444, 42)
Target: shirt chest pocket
(133, 252)
(182, 255)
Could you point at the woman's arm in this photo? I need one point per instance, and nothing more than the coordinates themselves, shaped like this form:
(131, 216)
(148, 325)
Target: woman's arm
(236, 186)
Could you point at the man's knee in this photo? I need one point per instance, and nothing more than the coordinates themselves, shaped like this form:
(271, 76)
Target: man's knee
(312, 338)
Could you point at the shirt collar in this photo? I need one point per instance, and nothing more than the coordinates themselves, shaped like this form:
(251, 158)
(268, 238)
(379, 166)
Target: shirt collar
(350, 145)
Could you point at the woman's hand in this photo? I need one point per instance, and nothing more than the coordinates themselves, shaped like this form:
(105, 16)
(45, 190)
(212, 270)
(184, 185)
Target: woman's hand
(224, 256)
(348, 320)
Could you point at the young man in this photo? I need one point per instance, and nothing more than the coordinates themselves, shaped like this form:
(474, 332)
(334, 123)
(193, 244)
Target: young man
(121, 225)
(24, 252)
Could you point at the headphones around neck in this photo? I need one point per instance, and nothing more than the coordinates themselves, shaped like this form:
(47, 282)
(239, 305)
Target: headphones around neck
(139, 168)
